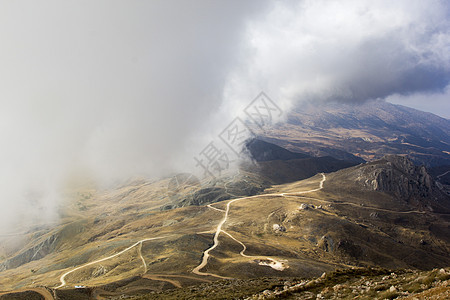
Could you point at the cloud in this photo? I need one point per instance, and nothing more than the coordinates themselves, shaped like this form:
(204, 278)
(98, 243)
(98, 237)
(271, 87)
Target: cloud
(106, 89)
(347, 50)
(114, 89)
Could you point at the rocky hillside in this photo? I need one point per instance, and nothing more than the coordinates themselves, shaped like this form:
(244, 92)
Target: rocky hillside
(368, 131)
(126, 241)
(356, 283)
(398, 176)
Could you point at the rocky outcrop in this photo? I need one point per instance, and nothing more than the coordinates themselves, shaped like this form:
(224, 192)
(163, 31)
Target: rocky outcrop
(397, 175)
(278, 228)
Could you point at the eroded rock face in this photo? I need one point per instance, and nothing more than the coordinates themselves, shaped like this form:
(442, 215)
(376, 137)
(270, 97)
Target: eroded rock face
(399, 176)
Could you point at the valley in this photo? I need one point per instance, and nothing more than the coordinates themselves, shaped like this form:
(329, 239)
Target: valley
(304, 228)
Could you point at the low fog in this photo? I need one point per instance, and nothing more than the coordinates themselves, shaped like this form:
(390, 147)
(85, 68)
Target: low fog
(109, 90)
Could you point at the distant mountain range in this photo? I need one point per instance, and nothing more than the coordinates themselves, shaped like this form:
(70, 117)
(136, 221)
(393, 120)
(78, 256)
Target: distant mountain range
(364, 132)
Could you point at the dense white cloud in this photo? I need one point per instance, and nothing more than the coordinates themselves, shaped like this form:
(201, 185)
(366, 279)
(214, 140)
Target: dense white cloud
(112, 89)
(107, 89)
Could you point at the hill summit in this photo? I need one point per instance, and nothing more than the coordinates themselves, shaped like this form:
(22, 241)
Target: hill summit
(400, 178)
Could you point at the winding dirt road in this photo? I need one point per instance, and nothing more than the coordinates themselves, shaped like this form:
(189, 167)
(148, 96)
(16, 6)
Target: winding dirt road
(275, 264)
(175, 283)
(215, 208)
(206, 255)
(142, 258)
(62, 278)
(305, 192)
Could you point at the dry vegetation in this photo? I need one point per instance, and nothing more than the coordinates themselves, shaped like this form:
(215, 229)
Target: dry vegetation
(336, 228)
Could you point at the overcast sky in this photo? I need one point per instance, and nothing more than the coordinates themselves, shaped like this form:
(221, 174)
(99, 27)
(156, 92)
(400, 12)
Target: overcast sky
(112, 89)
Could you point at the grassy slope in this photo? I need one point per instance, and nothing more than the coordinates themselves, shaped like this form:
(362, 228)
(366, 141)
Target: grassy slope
(353, 235)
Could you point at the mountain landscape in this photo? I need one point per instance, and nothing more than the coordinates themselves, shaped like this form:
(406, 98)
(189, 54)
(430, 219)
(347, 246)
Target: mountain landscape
(364, 132)
(230, 149)
(283, 218)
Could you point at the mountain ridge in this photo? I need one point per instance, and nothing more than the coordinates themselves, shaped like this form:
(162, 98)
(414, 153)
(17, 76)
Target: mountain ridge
(368, 131)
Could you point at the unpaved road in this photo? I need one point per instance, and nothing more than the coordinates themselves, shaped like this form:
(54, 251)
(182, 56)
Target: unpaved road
(62, 278)
(197, 270)
(142, 258)
(275, 264)
(206, 254)
(175, 283)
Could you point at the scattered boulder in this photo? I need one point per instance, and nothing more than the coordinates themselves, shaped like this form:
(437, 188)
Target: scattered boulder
(99, 271)
(278, 228)
(304, 206)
